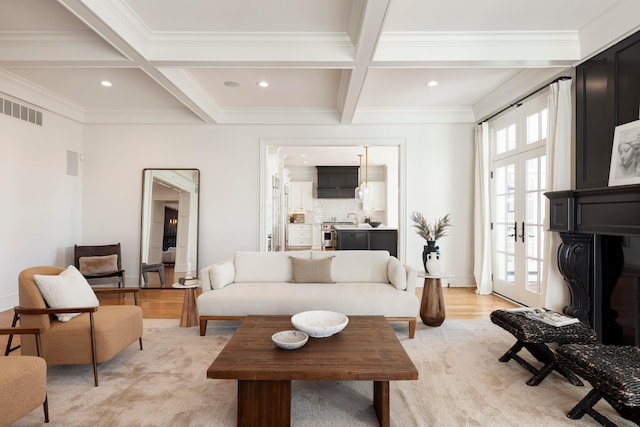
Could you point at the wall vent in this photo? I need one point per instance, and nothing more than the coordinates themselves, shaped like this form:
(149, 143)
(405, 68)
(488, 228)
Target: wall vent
(19, 110)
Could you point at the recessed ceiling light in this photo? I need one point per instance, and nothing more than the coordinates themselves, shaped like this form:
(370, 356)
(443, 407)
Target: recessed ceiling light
(432, 83)
(231, 83)
(106, 83)
(263, 83)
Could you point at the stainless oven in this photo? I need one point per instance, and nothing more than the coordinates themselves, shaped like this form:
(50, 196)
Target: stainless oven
(328, 235)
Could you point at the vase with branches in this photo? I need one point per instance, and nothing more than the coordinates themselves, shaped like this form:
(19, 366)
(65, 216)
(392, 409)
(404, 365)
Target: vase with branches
(430, 232)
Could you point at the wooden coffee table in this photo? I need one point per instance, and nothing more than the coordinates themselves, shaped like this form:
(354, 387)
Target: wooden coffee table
(366, 350)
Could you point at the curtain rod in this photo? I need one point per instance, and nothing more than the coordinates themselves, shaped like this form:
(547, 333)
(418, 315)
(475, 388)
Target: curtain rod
(519, 102)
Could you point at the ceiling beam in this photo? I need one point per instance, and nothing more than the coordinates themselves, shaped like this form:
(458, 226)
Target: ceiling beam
(372, 22)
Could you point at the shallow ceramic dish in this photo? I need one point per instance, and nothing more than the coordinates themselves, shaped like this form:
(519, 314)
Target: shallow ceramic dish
(289, 340)
(320, 323)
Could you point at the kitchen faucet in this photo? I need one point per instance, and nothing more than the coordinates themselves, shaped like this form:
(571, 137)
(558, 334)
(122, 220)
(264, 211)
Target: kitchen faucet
(355, 217)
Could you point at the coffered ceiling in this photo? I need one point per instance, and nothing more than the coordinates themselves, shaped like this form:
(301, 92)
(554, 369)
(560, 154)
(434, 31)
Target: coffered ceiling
(326, 62)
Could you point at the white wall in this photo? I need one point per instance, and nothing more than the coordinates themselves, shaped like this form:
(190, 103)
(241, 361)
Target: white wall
(41, 212)
(439, 180)
(46, 212)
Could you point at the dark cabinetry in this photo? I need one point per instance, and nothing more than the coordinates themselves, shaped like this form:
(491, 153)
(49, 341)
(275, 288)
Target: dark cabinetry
(607, 95)
(337, 182)
(386, 240)
(170, 228)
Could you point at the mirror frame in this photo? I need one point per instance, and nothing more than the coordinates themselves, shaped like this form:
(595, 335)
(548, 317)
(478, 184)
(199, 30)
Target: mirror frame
(173, 179)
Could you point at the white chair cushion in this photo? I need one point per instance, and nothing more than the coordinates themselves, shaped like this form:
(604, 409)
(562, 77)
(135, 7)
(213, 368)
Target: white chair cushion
(65, 290)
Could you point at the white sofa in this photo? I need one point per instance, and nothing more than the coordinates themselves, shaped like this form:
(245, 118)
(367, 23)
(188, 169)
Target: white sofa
(365, 283)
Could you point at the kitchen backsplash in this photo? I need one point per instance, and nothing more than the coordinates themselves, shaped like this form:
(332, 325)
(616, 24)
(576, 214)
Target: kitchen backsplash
(325, 210)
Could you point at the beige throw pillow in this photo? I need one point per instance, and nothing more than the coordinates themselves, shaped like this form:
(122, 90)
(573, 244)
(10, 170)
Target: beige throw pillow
(66, 290)
(311, 270)
(91, 265)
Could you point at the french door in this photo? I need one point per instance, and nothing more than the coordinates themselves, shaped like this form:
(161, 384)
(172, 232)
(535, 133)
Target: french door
(518, 207)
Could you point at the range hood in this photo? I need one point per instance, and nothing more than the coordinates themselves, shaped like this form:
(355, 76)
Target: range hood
(337, 182)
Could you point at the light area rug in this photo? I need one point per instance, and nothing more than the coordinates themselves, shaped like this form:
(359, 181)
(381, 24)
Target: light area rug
(461, 383)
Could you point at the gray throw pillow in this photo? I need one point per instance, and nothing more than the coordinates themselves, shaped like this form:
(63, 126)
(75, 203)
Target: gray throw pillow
(311, 270)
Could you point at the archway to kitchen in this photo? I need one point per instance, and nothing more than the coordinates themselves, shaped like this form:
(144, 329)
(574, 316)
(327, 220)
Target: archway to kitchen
(388, 154)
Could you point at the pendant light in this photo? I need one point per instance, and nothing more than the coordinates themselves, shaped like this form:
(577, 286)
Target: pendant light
(363, 190)
(359, 178)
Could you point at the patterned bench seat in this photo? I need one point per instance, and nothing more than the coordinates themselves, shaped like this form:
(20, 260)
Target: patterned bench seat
(614, 373)
(534, 336)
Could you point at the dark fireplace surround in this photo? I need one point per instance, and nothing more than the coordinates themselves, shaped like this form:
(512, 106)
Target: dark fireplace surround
(593, 224)
(599, 224)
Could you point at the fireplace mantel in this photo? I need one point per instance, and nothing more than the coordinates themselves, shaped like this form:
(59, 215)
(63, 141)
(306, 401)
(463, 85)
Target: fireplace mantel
(590, 256)
(613, 211)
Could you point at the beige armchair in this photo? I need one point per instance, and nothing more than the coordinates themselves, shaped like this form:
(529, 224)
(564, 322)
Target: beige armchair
(23, 382)
(93, 337)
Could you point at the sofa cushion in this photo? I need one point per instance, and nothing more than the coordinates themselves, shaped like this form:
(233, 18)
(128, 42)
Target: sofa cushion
(266, 267)
(352, 299)
(357, 266)
(397, 274)
(65, 290)
(91, 265)
(222, 273)
(311, 270)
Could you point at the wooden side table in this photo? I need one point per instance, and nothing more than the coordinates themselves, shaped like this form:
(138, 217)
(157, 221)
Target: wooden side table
(432, 311)
(189, 315)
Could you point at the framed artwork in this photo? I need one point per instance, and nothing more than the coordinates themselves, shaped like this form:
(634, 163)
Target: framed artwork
(625, 155)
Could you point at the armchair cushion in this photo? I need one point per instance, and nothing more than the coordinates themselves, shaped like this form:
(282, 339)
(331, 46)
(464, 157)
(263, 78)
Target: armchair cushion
(67, 289)
(92, 265)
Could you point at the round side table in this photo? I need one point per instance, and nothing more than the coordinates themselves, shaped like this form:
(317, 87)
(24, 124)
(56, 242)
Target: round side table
(189, 315)
(432, 311)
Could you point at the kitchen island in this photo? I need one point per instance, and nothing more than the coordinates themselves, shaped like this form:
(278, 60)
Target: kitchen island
(365, 237)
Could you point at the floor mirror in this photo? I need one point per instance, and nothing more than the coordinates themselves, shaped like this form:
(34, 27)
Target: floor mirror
(169, 226)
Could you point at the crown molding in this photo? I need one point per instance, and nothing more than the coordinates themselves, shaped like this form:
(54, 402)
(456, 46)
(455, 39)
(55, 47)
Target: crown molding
(58, 46)
(478, 46)
(280, 116)
(32, 94)
(518, 86)
(413, 115)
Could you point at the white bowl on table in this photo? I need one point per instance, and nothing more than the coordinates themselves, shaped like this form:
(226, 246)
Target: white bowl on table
(290, 340)
(320, 323)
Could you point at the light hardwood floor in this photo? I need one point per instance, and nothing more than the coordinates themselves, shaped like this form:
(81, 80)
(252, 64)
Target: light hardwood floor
(460, 303)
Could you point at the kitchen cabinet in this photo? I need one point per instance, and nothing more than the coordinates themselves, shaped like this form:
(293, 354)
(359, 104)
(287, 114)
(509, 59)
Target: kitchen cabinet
(377, 199)
(367, 239)
(299, 235)
(352, 240)
(301, 195)
(316, 236)
(337, 182)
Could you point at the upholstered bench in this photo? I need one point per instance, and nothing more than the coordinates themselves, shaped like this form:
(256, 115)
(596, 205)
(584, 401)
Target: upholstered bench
(534, 336)
(614, 373)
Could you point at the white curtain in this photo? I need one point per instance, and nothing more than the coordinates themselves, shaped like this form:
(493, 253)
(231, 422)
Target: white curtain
(558, 178)
(481, 214)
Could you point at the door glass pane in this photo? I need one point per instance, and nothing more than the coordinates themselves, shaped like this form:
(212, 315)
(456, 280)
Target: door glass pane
(506, 139)
(533, 132)
(533, 276)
